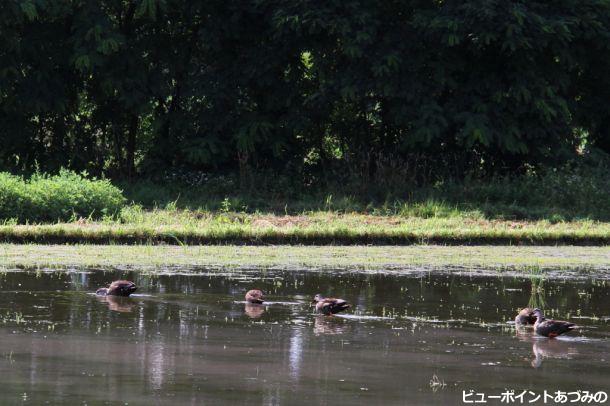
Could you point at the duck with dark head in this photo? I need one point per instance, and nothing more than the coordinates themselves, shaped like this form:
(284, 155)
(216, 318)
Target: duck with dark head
(329, 305)
(255, 296)
(550, 328)
(118, 288)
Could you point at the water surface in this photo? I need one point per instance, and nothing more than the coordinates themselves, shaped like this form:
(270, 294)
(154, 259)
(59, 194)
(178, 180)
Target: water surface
(188, 338)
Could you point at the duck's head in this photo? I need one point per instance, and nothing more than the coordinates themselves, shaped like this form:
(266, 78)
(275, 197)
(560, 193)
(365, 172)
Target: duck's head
(538, 314)
(255, 296)
(317, 298)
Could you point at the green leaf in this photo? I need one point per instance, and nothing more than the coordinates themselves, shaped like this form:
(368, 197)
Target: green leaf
(29, 9)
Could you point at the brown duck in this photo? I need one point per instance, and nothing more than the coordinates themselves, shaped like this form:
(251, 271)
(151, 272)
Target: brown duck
(255, 296)
(550, 328)
(525, 317)
(118, 288)
(329, 305)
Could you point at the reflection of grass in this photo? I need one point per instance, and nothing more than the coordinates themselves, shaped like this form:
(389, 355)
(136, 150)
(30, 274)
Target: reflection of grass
(15, 317)
(9, 357)
(520, 259)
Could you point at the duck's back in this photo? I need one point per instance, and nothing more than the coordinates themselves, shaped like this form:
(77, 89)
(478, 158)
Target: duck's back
(553, 328)
(331, 306)
(121, 288)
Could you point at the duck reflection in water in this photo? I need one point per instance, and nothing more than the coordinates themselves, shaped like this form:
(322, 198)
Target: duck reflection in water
(117, 303)
(254, 310)
(557, 349)
(543, 348)
(323, 325)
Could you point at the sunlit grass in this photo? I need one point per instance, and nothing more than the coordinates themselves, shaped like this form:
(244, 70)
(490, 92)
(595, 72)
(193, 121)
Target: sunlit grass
(424, 225)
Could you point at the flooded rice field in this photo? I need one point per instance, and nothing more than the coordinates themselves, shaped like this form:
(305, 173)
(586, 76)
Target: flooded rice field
(189, 338)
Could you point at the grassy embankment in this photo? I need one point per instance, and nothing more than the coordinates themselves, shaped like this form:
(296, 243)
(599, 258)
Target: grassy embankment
(179, 227)
(566, 208)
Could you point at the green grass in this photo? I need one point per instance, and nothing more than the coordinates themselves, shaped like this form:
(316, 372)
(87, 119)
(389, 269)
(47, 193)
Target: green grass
(570, 206)
(175, 226)
(374, 258)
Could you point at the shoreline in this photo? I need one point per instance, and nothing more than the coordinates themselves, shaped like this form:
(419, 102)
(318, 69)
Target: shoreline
(528, 260)
(186, 228)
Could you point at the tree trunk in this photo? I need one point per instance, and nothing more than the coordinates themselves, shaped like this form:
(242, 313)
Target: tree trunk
(244, 174)
(57, 143)
(118, 150)
(131, 146)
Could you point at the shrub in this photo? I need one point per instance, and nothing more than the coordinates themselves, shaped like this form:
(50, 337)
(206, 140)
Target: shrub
(561, 194)
(63, 197)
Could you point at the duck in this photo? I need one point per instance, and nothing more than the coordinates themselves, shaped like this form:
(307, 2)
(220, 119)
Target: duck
(255, 296)
(118, 288)
(525, 317)
(550, 328)
(329, 305)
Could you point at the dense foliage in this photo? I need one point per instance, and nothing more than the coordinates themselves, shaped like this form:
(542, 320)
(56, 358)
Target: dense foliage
(351, 89)
(568, 193)
(63, 197)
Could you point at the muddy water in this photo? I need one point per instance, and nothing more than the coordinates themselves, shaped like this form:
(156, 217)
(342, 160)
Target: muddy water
(189, 339)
